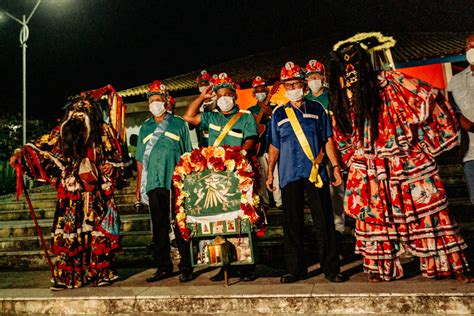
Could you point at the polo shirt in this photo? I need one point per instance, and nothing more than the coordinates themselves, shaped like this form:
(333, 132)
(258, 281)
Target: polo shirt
(166, 153)
(293, 163)
(243, 129)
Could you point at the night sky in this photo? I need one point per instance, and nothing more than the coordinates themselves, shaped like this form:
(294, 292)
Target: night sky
(77, 45)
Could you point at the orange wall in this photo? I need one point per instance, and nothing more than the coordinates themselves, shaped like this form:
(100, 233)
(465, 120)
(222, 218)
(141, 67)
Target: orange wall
(433, 74)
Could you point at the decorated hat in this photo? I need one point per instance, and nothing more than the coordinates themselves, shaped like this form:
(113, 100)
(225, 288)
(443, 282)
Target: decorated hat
(222, 81)
(314, 67)
(203, 77)
(157, 88)
(291, 71)
(258, 81)
(171, 100)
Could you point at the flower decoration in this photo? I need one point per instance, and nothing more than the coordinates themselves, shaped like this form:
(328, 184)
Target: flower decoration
(314, 67)
(224, 158)
(291, 71)
(223, 80)
(258, 81)
(203, 77)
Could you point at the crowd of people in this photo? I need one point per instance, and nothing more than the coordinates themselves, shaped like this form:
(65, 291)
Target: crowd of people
(359, 140)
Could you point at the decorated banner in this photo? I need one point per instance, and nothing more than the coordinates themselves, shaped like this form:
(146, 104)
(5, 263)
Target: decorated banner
(215, 192)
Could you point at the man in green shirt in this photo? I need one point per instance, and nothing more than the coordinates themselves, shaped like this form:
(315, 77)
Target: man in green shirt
(316, 79)
(243, 131)
(162, 140)
(226, 126)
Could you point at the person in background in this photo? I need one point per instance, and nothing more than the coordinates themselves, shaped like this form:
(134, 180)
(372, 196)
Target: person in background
(319, 92)
(262, 111)
(461, 94)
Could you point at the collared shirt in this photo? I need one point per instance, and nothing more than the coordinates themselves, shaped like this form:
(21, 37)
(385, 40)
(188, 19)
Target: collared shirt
(293, 163)
(462, 87)
(243, 129)
(166, 153)
(323, 98)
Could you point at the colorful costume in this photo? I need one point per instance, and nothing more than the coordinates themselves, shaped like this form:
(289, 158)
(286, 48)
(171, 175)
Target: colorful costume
(393, 188)
(85, 233)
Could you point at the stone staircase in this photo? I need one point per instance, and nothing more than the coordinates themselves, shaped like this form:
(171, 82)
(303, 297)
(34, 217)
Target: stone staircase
(20, 248)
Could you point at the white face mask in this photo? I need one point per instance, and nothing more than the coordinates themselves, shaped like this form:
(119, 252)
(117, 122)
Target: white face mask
(470, 56)
(315, 85)
(202, 88)
(157, 108)
(225, 103)
(295, 95)
(261, 96)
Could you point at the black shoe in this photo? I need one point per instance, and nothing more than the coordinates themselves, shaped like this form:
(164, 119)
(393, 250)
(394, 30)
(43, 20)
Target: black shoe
(160, 275)
(248, 276)
(336, 278)
(58, 287)
(218, 277)
(186, 277)
(288, 278)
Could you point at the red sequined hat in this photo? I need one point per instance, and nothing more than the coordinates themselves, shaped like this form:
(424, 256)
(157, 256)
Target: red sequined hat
(203, 77)
(314, 67)
(157, 88)
(222, 81)
(291, 71)
(258, 81)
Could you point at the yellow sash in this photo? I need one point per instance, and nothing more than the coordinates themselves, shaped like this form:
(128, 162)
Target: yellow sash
(314, 176)
(227, 128)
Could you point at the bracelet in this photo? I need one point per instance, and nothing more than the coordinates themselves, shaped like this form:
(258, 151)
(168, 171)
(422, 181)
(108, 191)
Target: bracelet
(334, 167)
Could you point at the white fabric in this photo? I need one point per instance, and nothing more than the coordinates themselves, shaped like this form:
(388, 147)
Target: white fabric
(462, 87)
(214, 218)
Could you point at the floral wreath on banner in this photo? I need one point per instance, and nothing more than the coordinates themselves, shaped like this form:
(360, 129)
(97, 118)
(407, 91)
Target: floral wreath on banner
(224, 158)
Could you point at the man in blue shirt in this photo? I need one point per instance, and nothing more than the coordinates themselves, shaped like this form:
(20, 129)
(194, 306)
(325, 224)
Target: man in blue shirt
(300, 130)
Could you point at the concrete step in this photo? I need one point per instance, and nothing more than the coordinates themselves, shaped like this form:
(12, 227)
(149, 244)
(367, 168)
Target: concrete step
(48, 213)
(128, 239)
(51, 202)
(263, 296)
(34, 259)
(23, 228)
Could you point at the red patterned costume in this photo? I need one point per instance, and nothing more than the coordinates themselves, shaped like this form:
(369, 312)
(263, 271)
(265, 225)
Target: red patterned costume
(393, 189)
(85, 232)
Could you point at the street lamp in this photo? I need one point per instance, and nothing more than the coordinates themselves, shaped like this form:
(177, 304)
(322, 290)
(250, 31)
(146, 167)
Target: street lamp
(24, 33)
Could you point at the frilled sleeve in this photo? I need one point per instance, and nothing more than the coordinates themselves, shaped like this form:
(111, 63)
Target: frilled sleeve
(413, 113)
(41, 159)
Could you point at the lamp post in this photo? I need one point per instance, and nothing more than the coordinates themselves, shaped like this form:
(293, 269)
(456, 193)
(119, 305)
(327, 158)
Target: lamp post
(24, 33)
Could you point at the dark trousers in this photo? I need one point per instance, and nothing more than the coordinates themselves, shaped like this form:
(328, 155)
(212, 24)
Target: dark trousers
(293, 227)
(160, 213)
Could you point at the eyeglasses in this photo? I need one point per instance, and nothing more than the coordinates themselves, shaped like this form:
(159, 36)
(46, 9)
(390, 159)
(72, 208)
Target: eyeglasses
(293, 85)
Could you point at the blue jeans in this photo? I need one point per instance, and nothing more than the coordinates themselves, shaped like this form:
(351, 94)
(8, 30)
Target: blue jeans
(469, 173)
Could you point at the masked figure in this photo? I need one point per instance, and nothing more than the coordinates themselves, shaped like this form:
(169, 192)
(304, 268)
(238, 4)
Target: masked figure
(389, 127)
(82, 158)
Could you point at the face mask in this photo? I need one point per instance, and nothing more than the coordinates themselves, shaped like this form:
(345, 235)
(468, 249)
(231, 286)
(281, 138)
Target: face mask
(295, 95)
(157, 108)
(261, 96)
(202, 88)
(225, 103)
(470, 56)
(315, 85)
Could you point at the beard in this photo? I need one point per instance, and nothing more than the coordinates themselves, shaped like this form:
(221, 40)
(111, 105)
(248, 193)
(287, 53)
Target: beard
(75, 135)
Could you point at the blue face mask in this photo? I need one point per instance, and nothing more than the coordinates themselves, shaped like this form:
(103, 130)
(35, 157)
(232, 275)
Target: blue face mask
(261, 96)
